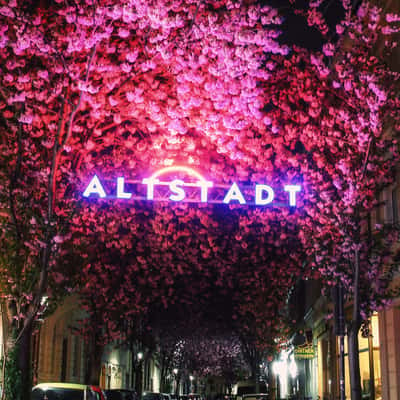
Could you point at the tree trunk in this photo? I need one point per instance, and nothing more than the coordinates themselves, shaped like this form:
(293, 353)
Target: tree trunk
(95, 369)
(92, 375)
(257, 382)
(178, 380)
(163, 373)
(354, 363)
(17, 372)
(24, 362)
(138, 380)
(352, 334)
(272, 383)
(133, 372)
(163, 380)
(255, 366)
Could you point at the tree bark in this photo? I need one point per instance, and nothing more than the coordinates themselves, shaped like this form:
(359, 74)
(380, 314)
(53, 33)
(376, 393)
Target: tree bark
(257, 381)
(17, 364)
(354, 363)
(255, 372)
(92, 375)
(139, 378)
(272, 383)
(178, 381)
(352, 334)
(24, 362)
(163, 375)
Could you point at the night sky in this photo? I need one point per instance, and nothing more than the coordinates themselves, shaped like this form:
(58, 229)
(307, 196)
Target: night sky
(295, 30)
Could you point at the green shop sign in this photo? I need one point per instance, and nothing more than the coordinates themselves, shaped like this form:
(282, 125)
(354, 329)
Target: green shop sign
(304, 352)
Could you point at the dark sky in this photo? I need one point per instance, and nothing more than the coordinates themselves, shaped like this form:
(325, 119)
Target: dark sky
(295, 29)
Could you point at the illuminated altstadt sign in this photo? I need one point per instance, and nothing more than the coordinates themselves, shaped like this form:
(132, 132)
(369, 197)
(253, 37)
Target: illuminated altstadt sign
(194, 189)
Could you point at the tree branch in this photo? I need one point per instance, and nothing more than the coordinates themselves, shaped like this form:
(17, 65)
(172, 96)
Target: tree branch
(75, 109)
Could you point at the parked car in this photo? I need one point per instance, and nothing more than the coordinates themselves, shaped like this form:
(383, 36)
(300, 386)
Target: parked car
(248, 387)
(152, 396)
(230, 397)
(101, 393)
(255, 396)
(121, 394)
(66, 391)
(194, 396)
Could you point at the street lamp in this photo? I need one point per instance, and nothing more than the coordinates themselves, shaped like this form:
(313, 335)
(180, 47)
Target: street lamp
(191, 377)
(138, 373)
(176, 381)
(280, 368)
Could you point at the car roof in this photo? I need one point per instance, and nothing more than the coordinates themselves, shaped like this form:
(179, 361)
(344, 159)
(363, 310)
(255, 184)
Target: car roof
(60, 385)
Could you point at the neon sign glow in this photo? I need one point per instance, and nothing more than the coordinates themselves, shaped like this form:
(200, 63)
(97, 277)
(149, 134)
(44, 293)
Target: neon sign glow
(176, 185)
(195, 189)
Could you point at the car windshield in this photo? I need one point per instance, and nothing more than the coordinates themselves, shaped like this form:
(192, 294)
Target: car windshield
(58, 394)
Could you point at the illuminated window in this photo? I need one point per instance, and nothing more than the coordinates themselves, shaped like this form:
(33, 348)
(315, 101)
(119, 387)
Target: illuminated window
(370, 370)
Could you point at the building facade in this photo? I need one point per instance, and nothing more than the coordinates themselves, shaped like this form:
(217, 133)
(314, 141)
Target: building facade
(316, 355)
(59, 355)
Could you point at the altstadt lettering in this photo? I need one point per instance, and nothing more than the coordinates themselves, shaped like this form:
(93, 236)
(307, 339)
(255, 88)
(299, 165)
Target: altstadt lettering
(177, 189)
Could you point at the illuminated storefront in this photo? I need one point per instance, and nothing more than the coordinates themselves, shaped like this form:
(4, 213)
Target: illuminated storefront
(370, 363)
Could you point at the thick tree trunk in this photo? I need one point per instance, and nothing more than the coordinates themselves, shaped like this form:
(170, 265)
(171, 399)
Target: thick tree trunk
(253, 359)
(256, 373)
(178, 380)
(352, 334)
(133, 372)
(95, 369)
(24, 362)
(272, 383)
(92, 375)
(138, 380)
(257, 382)
(354, 363)
(163, 380)
(17, 372)
(163, 373)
